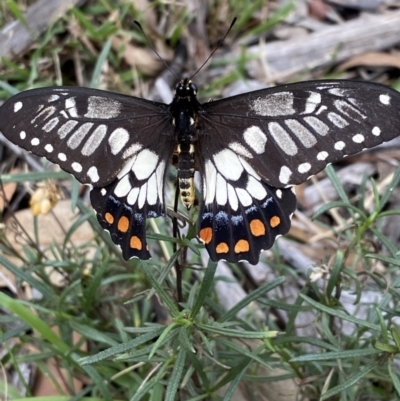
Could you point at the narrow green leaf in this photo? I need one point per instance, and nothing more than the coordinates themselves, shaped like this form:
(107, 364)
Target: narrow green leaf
(396, 336)
(335, 273)
(391, 349)
(118, 349)
(95, 82)
(26, 276)
(238, 333)
(394, 377)
(174, 380)
(340, 314)
(170, 328)
(235, 382)
(206, 286)
(327, 356)
(384, 331)
(349, 382)
(18, 14)
(35, 176)
(160, 290)
(262, 290)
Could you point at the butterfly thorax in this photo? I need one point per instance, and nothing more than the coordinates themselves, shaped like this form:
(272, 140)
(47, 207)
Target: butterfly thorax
(184, 110)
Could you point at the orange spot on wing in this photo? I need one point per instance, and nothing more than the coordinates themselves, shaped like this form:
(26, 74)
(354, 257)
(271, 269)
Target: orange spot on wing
(206, 234)
(275, 221)
(123, 224)
(257, 227)
(109, 218)
(242, 246)
(136, 243)
(222, 248)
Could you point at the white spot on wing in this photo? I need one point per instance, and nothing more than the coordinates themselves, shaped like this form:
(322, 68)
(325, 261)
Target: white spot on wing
(385, 99)
(45, 113)
(319, 126)
(50, 125)
(233, 199)
(248, 168)
(358, 138)
(209, 184)
(348, 110)
(302, 133)
(160, 180)
(48, 148)
(53, 98)
(22, 135)
(94, 140)
(276, 104)
(244, 197)
(127, 167)
(102, 107)
(221, 191)
(285, 174)
(123, 187)
(304, 167)
(132, 150)
(255, 139)
(118, 139)
(133, 195)
(322, 155)
(70, 106)
(66, 128)
(228, 164)
(145, 164)
(255, 189)
(282, 138)
(35, 141)
(142, 196)
(17, 106)
(62, 157)
(240, 149)
(376, 131)
(337, 120)
(93, 174)
(76, 167)
(78, 136)
(279, 193)
(339, 145)
(152, 193)
(312, 102)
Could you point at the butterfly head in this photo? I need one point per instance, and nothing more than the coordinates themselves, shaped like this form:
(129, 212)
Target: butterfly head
(185, 89)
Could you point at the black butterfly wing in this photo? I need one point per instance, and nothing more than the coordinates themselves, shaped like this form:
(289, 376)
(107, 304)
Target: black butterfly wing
(119, 144)
(254, 145)
(291, 132)
(89, 133)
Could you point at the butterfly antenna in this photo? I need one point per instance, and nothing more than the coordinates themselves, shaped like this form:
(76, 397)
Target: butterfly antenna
(219, 44)
(154, 49)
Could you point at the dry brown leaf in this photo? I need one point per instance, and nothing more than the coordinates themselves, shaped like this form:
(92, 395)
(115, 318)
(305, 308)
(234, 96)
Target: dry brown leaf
(143, 59)
(7, 193)
(50, 230)
(373, 59)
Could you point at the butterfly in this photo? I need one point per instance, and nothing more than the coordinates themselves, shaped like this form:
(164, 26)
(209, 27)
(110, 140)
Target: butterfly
(250, 150)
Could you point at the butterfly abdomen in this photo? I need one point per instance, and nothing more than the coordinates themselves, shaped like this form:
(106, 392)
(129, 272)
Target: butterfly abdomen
(186, 173)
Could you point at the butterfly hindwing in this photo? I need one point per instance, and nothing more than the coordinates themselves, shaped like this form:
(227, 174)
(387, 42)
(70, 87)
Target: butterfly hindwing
(89, 133)
(136, 194)
(291, 132)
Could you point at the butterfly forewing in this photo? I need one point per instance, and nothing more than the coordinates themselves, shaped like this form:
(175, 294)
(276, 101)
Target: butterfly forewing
(90, 133)
(291, 132)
